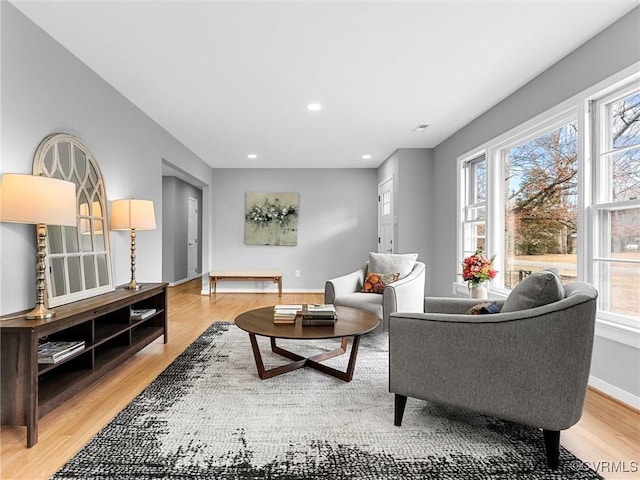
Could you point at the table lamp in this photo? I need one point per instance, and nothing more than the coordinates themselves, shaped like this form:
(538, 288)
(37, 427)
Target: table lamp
(133, 214)
(40, 201)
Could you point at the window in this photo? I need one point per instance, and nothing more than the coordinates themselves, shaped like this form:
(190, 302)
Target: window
(386, 203)
(616, 209)
(563, 191)
(540, 205)
(475, 205)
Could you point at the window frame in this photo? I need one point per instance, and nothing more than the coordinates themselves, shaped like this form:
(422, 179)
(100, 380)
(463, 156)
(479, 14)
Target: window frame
(577, 108)
(495, 190)
(599, 109)
(469, 200)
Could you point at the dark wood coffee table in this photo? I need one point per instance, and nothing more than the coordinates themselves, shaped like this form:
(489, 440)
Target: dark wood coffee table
(351, 323)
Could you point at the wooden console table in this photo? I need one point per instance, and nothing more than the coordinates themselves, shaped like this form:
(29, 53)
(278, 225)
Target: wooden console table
(274, 276)
(30, 390)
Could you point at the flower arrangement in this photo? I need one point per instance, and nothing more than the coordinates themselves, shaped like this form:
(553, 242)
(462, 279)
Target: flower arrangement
(271, 213)
(477, 268)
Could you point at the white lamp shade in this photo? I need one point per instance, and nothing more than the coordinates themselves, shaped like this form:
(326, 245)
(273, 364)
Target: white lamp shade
(32, 199)
(132, 213)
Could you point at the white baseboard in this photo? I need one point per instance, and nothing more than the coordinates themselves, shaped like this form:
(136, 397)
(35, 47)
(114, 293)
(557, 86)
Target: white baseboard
(615, 392)
(264, 290)
(184, 280)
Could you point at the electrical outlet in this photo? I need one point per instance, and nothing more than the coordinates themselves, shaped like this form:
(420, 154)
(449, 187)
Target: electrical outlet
(297, 273)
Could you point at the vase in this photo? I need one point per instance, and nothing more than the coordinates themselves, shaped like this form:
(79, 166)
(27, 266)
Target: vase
(479, 292)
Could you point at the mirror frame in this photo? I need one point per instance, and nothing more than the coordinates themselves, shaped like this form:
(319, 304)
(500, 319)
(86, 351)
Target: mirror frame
(78, 261)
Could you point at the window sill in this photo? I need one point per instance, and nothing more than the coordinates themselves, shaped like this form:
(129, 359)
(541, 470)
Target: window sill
(462, 290)
(616, 332)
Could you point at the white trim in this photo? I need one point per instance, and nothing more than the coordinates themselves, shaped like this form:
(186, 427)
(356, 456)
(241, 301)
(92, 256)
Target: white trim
(618, 333)
(184, 280)
(615, 392)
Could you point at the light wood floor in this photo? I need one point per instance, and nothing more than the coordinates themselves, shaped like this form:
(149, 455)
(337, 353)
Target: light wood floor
(607, 437)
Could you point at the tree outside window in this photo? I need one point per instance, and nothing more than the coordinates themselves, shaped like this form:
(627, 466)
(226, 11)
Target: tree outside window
(541, 205)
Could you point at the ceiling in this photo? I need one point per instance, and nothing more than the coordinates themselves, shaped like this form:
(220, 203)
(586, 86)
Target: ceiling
(233, 78)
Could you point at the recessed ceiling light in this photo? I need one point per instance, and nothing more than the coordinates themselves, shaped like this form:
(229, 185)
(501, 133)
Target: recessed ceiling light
(420, 128)
(252, 156)
(314, 107)
(366, 157)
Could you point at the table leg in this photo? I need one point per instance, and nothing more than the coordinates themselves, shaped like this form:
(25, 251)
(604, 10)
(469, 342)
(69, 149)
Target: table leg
(272, 372)
(313, 361)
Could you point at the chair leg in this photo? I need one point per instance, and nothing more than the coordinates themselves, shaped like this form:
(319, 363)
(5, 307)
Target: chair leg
(400, 403)
(552, 447)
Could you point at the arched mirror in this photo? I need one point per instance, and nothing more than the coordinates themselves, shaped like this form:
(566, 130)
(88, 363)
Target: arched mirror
(78, 258)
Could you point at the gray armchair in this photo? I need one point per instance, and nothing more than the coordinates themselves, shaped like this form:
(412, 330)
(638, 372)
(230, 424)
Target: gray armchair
(406, 294)
(529, 366)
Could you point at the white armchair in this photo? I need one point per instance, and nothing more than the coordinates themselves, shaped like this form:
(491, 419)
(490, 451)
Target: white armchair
(404, 295)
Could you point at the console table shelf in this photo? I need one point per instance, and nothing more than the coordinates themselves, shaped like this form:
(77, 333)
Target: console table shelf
(31, 390)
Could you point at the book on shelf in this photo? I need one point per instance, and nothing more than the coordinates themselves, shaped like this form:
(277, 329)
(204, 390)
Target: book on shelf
(142, 313)
(286, 314)
(53, 352)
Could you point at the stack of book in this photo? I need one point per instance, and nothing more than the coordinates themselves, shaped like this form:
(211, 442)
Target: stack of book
(53, 352)
(319, 315)
(286, 313)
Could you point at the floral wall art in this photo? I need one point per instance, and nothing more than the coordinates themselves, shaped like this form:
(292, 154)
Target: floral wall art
(271, 218)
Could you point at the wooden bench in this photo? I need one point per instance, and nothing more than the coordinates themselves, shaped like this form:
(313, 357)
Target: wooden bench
(274, 276)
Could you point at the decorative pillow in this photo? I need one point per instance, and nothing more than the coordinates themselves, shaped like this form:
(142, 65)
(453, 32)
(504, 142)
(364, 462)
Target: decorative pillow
(401, 263)
(375, 282)
(484, 308)
(540, 288)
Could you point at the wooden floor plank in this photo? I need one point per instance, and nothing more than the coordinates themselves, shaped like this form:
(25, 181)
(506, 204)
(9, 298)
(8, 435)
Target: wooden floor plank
(608, 432)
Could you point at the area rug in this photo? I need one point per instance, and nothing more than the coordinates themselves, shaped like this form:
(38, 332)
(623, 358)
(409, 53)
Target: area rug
(209, 416)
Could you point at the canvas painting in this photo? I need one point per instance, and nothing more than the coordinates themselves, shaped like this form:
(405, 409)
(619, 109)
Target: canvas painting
(271, 218)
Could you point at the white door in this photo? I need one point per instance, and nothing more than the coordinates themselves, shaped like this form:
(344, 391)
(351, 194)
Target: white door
(385, 216)
(192, 234)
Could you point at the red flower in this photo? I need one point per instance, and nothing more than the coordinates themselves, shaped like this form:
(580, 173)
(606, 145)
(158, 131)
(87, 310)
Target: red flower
(477, 269)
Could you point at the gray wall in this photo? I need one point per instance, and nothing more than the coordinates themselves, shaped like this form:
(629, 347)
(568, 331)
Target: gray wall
(337, 223)
(45, 90)
(175, 208)
(614, 49)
